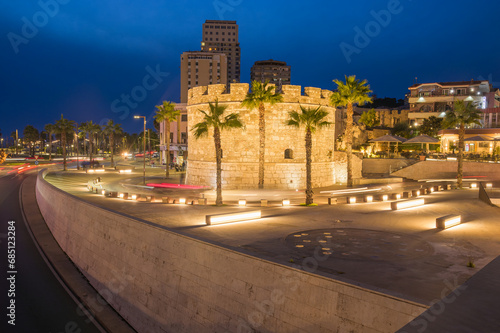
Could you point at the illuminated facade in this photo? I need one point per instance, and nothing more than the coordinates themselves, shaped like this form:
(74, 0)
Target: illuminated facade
(222, 37)
(434, 99)
(201, 69)
(276, 72)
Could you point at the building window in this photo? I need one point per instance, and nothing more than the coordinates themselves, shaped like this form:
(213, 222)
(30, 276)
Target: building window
(288, 154)
(184, 117)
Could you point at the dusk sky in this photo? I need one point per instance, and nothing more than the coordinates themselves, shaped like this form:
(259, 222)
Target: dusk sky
(85, 54)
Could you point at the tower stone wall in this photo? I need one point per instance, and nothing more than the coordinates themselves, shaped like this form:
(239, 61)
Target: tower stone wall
(241, 146)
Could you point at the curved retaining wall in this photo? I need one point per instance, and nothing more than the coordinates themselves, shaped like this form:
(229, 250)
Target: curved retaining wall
(161, 281)
(448, 169)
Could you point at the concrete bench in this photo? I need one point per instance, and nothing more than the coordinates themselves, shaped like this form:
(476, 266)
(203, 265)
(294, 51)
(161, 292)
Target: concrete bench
(448, 221)
(332, 201)
(396, 205)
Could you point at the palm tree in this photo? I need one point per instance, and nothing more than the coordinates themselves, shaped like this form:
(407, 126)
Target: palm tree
(347, 94)
(261, 94)
(92, 130)
(112, 129)
(50, 129)
(167, 113)
(463, 114)
(311, 119)
(212, 119)
(83, 128)
(31, 135)
(64, 127)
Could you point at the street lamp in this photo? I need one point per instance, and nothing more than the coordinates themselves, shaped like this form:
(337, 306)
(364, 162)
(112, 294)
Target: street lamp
(144, 150)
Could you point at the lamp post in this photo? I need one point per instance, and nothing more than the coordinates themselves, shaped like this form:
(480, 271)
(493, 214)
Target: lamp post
(144, 150)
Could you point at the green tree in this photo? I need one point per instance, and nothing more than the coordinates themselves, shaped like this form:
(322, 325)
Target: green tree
(111, 129)
(16, 140)
(166, 113)
(214, 119)
(311, 119)
(347, 94)
(50, 129)
(31, 135)
(64, 127)
(83, 128)
(402, 129)
(369, 118)
(431, 126)
(261, 94)
(463, 114)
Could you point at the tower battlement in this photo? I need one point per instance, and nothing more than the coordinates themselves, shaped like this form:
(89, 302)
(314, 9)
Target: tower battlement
(238, 92)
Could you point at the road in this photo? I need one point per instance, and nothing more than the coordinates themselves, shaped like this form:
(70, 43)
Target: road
(41, 302)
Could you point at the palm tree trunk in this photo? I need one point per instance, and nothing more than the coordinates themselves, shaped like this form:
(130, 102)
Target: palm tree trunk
(461, 138)
(111, 146)
(63, 141)
(262, 143)
(91, 150)
(309, 191)
(167, 151)
(348, 143)
(50, 145)
(218, 160)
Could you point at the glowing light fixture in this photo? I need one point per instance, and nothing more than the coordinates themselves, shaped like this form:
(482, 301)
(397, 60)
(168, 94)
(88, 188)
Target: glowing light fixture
(369, 198)
(473, 185)
(182, 200)
(134, 196)
(103, 192)
(242, 202)
(489, 185)
(120, 195)
(351, 200)
(385, 197)
(126, 171)
(448, 221)
(395, 205)
(90, 171)
(286, 202)
(233, 217)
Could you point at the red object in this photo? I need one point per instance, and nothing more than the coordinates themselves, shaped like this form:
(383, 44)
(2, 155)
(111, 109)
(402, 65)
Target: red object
(168, 185)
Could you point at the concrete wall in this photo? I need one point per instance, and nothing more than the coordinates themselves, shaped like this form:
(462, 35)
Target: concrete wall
(161, 281)
(384, 165)
(448, 169)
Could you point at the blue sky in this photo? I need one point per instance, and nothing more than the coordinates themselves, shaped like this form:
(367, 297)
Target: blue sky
(86, 55)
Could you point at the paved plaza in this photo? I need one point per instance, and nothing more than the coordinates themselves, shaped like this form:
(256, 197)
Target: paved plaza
(397, 252)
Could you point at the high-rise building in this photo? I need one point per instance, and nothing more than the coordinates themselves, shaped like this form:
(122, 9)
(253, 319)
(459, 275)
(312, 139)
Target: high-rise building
(201, 69)
(222, 37)
(276, 72)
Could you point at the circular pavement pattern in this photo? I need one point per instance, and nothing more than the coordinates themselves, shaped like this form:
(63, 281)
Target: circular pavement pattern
(359, 244)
